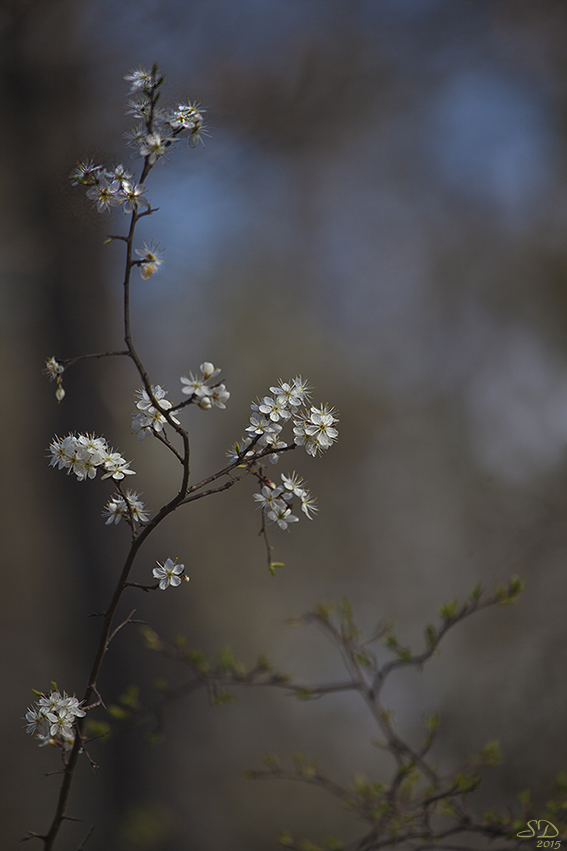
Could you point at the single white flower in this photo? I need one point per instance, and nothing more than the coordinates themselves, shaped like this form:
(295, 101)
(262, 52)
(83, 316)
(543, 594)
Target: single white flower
(154, 146)
(86, 173)
(37, 721)
(282, 516)
(195, 386)
(135, 135)
(275, 409)
(62, 725)
(140, 107)
(219, 395)
(295, 392)
(120, 174)
(106, 195)
(142, 80)
(168, 573)
(53, 369)
(293, 483)
(151, 259)
(208, 370)
(308, 505)
(133, 195)
(268, 498)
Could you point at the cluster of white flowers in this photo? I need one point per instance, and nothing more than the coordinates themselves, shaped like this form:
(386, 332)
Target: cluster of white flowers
(110, 188)
(147, 418)
(315, 430)
(83, 454)
(54, 370)
(201, 392)
(277, 502)
(159, 128)
(169, 573)
(52, 717)
(313, 427)
(126, 506)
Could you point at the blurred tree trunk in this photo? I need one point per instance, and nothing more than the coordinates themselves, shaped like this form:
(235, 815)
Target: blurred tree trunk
(50, 276)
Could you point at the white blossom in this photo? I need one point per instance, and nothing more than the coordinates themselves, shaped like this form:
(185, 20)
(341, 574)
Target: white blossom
(169, 573)
(238, 449)
(281, 514)
(275, 409)
(133, 195)
(208, 370)
(106, 195)
(52, 718)
(219, 395)
(201, 392)
(53, 369)
(268, 498)
(117, 507)
(148, 418)
(151, 259)
(154, 146)
(86, 173)
(195, 386)
(295, 393)
(142, 80)
(83, 454)
(314, 429)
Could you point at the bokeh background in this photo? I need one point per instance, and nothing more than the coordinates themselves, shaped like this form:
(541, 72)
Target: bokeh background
(382, 208)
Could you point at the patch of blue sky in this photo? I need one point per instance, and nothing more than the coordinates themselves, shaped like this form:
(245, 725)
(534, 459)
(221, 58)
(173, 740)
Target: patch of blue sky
(492, 139)
(212, 207)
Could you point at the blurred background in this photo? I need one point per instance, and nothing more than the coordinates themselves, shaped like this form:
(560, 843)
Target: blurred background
(382, 208)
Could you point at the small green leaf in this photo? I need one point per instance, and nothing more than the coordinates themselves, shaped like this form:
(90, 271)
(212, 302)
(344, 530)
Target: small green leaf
(449, 610)
(324, 611)
(129, 698)
(466, 782)
(490, 754)
(404, 654)
(477, 592)
(430, 636)
(118, 712)
(151, 638)
(305, 693)
(432, 722)
(197, 658)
